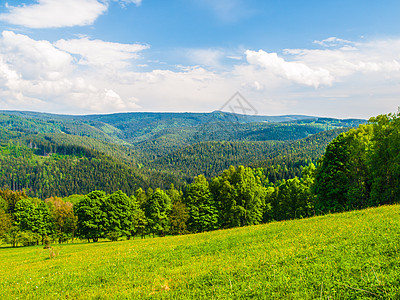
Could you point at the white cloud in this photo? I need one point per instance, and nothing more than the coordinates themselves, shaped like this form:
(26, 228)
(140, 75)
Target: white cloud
(126, 2)
(372, 57)
(100, 53)
(333, 42)
(55, 13)
(36, 75)
(234, 57)
(34, 59)
(206, 57)
(86, 76)
(295, 71)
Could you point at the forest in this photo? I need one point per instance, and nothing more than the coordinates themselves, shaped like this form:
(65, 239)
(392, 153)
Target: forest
(359, 168)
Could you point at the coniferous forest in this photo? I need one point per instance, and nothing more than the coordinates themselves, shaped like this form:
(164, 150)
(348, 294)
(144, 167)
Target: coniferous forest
(65, 177)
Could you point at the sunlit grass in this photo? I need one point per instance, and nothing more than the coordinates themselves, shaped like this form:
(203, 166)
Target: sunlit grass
(343, 256)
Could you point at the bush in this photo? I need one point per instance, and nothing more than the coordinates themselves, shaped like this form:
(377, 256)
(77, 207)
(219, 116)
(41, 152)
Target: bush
(28, 238)
(47, 242)
(113, 236)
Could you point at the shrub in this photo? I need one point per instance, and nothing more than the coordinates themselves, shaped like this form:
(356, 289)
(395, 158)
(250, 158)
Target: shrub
(113, 236)
(28, 238)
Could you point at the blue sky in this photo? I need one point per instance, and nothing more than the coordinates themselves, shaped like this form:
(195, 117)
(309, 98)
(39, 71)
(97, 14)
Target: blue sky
(326, 58)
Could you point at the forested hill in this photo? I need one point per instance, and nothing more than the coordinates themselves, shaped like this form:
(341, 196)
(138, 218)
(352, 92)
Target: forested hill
(63, 154)
(283, 159)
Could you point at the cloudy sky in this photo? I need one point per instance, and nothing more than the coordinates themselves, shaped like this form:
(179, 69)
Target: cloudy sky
(326, 58)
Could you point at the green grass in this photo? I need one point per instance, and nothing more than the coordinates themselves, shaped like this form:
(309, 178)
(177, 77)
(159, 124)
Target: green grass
(353, 255)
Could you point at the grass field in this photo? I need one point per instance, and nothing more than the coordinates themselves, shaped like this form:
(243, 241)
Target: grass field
(353, 255)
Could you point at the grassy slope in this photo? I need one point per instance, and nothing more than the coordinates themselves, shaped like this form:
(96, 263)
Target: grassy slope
(343, 256)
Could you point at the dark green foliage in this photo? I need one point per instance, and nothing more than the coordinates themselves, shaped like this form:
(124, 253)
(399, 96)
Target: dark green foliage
(332, 176)
(178, 218)
(384, 160)
(49, 156)
(8, 199)
(343, 179)
(5, 222)
(64, 175)
(292, 199)
(280, 159)
(53, 155)
(361, 167)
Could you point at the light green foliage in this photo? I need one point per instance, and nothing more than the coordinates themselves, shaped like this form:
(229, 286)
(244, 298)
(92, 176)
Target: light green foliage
(174, 194)
(74, 199)
(239, 196)
(141, 197)
(91, 217)
(157, 209)
(353, 255)
(3, 204)
(203, 213)
(63, 218)
(139, 223)
(33, 215)
(118, 209)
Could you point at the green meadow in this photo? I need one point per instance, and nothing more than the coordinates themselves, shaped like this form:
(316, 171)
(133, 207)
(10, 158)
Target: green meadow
(353, 255)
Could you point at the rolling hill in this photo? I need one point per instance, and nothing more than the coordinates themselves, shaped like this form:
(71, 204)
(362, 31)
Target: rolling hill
(352, 255)
(152, 149)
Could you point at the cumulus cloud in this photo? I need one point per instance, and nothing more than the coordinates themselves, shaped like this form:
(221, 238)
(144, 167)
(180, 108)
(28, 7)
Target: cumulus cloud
(295, 71)
(34, 59)
(37, 75)
(371, 57)
(55, 13)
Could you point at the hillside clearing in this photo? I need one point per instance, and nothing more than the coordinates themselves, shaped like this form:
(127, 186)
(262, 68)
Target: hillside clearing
(350, 255)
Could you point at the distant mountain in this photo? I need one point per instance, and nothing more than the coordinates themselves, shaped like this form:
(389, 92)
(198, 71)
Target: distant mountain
(144, 149)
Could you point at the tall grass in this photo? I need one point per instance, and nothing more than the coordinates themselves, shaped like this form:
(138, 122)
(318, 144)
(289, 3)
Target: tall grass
(343, 256)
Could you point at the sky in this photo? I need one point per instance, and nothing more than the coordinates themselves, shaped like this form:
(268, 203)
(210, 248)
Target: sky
(322, 58)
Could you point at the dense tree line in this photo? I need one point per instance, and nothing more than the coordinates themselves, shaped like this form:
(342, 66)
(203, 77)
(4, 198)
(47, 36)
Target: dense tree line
(361, 168)
(238, 197)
